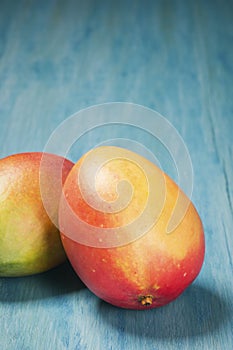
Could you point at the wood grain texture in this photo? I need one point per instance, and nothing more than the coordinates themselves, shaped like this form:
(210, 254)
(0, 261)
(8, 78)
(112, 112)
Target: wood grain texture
(57, 57)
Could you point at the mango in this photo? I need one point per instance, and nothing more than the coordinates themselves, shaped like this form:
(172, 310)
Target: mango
(114, 216)
(29, 241)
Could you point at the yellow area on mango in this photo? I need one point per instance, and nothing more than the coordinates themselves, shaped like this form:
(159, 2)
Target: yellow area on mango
(129, 179)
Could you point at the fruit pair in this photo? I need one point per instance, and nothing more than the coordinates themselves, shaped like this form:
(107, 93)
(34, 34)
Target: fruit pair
(114, 212)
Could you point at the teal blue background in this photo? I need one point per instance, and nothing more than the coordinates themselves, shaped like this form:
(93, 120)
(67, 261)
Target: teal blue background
(57, 57)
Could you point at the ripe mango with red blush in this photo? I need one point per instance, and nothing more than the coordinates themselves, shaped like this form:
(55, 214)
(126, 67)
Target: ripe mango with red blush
(129, 231)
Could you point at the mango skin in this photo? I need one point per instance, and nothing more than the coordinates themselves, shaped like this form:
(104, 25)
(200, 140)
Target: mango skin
(149, 272)
(29, 242)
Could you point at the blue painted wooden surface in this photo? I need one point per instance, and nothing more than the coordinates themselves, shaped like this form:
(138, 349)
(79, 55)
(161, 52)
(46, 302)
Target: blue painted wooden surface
(57, 57)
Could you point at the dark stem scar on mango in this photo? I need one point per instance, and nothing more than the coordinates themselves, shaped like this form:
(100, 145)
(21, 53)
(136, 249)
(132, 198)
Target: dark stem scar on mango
(146, 300)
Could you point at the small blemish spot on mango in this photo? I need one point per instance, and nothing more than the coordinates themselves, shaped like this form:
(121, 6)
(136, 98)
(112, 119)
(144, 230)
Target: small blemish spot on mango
(185, 274)
(156, 286)
(93, 270)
